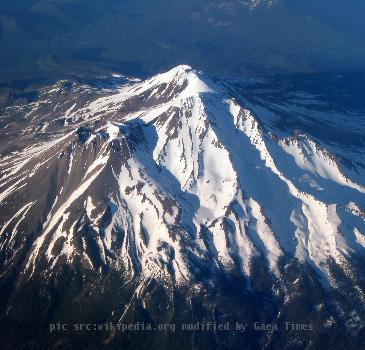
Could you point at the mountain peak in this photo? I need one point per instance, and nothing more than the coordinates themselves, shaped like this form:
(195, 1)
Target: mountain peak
(182, 68)
(189, 80)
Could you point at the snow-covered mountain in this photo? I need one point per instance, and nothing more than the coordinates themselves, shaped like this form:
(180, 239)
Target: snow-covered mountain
(168, 191)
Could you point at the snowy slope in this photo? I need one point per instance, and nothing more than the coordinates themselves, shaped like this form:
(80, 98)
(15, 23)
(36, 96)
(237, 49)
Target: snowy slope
(168, 174)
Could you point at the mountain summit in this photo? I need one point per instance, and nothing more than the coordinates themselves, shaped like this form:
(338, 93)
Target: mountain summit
(160, 195)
